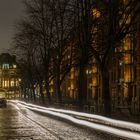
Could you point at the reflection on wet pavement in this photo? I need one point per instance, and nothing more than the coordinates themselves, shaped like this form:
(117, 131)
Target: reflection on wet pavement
(15, 126)
(19, 123)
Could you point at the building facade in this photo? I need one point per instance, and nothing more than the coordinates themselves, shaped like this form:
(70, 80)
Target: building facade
(124, 76)
(9, 76)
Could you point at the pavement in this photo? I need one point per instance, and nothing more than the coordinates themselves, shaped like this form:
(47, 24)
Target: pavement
(23, 124)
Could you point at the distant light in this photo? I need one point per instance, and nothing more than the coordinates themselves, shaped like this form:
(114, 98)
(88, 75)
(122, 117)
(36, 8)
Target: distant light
(87, 71)
(14, 66)
(121, 63)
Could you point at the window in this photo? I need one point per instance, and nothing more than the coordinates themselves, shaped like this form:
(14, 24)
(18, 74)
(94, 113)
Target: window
(127, 43)
(128, 73)
(17, 83)
(5, 66)
(128, 58)
(5, 83)
(14, 66)
(96, 13)
(12, 83)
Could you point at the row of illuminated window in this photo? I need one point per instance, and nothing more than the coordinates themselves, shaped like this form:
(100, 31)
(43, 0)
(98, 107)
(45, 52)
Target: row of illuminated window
(125, 74)
(7, 66)
(8, 83)
(126, 51)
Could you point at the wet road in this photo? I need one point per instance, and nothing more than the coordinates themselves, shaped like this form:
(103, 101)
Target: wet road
(15, 126)
(23, 124)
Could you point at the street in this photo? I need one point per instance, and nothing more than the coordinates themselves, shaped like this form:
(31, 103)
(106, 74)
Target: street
(23, 124)
(14, 125)
(70, 70)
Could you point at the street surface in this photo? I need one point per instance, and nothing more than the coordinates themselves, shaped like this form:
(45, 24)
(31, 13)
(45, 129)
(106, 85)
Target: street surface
(23, 124)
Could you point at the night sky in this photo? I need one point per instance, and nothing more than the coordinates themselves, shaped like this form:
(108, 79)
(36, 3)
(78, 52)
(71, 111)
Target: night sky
(10, 12)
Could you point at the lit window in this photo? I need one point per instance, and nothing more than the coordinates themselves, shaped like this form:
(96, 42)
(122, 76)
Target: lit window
(127, 43)
(127, 58)
(94, 69)
(128, 74)
(94, 81)
(12, 83)
(72, 75)
(5, 66)
(17, 83)
(96, 13)
(6, 83)
(14, 66)
(72, 85)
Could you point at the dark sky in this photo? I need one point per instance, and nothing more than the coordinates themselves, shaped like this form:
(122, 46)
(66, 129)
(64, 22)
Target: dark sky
(10, 12)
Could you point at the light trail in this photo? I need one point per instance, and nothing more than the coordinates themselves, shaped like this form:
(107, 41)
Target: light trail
(107, 121)
(99, 127)
(107, 129)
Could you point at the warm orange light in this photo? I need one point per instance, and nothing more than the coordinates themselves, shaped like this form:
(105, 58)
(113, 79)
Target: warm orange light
(127, 74)
(94, 69)
(127, 43)
(72, 85)
(96, 13)
(72, 75)
(127, 58)
(94, 81)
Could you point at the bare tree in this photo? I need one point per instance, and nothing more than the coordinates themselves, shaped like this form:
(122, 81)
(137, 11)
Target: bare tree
(102, 25)
(62, 12)
(50, 24)
(23, 43)
(117, 19)
(41, 21)
(83, 27)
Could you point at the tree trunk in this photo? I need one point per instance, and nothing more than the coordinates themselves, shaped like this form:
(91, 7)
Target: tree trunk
(24, 93)
(58, 90)
(130, 95)
(106, 93)
(30, 93)
(82, 86)
(41, 92)
(58, 85)
(33, 93)
(48, 93)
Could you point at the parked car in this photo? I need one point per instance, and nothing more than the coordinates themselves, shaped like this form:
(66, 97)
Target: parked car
(3, 102)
